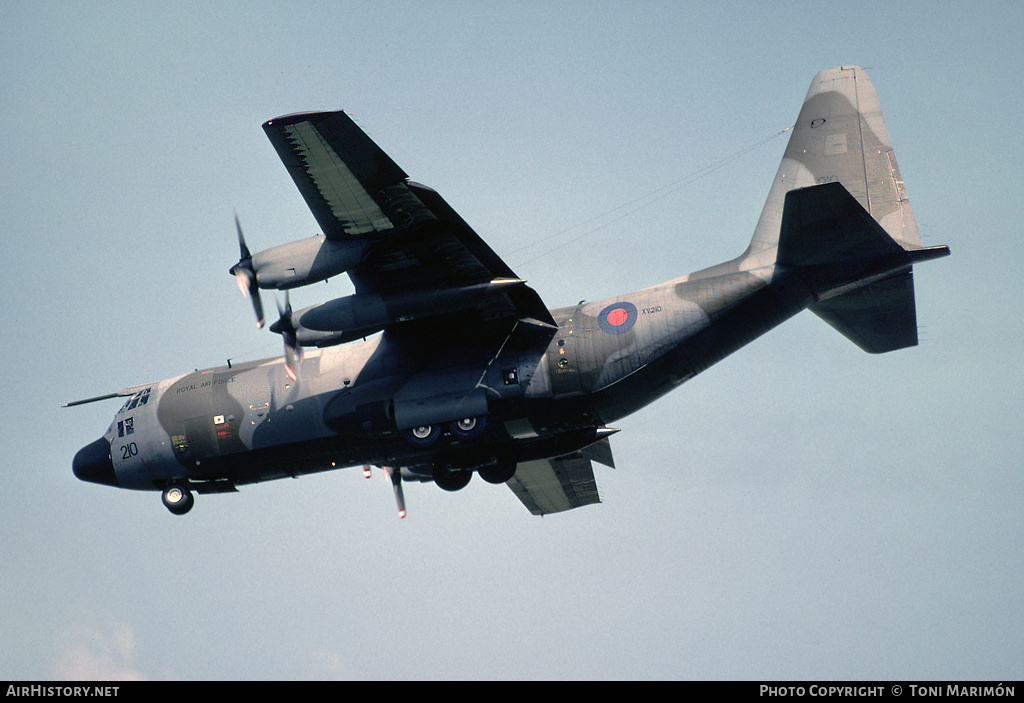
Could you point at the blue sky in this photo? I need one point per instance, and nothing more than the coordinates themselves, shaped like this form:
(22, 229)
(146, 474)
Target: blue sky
(801, 510)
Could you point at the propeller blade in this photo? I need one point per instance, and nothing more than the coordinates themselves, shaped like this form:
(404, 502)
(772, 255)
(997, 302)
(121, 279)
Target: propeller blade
(245, 275)
(243, 250)
(395, 474)
(246, 279)
(292, 360)
(286, 328)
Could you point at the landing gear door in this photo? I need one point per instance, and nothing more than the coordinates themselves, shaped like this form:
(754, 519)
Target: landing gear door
(440, 409)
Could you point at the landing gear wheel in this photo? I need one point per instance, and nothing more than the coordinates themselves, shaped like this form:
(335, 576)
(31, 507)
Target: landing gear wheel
(499, 472)
(178, 499)
(451, 479)
(423, 436)
(468, 427)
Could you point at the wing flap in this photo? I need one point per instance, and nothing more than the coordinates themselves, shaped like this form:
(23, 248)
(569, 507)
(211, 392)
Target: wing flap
(553, 485)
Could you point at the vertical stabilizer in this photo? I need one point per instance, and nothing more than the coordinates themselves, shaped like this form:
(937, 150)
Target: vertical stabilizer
(839, 137)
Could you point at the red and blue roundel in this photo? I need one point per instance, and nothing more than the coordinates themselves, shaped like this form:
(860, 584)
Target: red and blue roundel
(617, 318)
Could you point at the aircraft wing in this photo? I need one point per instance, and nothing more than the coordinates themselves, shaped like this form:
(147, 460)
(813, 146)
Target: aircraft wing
(553, 485)
(413, 239)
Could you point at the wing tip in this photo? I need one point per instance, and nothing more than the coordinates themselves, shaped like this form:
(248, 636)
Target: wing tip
(293, 117)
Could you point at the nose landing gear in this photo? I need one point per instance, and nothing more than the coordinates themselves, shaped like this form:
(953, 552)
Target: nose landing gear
(178, 499)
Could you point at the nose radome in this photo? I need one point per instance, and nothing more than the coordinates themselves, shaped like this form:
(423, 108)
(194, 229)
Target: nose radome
(93, 463)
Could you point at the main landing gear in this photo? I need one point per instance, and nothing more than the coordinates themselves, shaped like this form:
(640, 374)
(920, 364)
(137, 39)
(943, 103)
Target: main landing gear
(451, 479)
(454, 478)
(178, 499)
(500, 470)
(503, 469)
(464, 430)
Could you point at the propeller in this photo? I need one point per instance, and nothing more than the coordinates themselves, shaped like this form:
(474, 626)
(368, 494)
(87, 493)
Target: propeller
(394, 474)
(245, 275)
(286, 328)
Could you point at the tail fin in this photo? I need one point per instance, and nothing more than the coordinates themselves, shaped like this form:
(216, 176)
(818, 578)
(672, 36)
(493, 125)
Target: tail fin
(839, 212)
(839, 137)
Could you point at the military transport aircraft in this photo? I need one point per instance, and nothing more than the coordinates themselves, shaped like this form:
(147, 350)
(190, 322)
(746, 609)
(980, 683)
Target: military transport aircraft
(444, 363)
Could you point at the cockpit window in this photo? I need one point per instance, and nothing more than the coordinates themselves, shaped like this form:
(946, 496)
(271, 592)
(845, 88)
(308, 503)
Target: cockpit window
(140, 398)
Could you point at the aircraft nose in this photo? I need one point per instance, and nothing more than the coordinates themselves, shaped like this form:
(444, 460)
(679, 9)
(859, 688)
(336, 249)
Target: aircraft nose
(93, 463)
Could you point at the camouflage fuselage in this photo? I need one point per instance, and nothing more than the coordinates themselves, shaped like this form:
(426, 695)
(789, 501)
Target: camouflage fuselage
(250, 422)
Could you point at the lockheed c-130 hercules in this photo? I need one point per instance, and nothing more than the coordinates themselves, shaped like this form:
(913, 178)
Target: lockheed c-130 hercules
(444, 363)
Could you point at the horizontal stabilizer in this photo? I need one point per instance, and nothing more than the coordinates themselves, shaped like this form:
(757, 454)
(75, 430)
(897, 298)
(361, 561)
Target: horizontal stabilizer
(826, 230)
(879, 317)
(860, 276)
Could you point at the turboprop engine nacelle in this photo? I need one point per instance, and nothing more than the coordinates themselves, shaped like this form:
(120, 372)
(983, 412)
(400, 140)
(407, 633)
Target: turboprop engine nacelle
(309, 260)
(354, 316)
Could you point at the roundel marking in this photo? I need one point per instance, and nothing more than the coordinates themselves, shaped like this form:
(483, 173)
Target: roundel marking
(617, 318)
